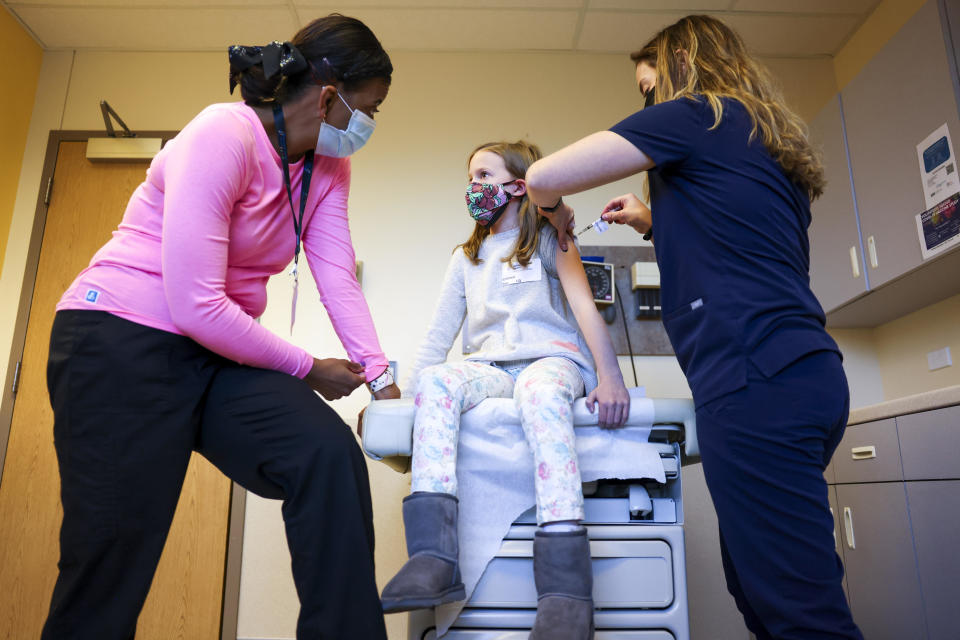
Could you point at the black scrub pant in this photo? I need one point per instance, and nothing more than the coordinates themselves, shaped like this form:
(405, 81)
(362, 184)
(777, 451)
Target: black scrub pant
(130, 404)
(764, 450)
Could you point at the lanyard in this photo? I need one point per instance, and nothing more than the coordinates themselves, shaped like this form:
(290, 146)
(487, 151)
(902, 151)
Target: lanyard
(304, 183)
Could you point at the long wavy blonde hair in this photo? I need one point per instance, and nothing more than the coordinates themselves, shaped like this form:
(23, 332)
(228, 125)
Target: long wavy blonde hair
(517, 158)
(700, 55)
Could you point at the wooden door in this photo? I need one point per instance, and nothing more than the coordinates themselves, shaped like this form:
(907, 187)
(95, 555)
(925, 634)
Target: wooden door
(185, 599)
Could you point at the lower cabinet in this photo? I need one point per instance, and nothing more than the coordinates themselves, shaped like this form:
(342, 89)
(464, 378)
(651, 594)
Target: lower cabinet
(895, 495)
(882, 579)
(935, 516)
(837, 535)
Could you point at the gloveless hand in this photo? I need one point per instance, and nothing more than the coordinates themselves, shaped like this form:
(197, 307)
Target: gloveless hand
(614, 402)
(630, 210)
(562, 220)
(335, 377)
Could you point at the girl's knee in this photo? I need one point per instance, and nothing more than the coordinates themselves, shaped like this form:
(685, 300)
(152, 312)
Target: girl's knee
(540, 392)
(436, 380)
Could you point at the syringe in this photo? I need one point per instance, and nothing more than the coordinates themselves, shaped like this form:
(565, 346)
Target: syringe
(599, 224)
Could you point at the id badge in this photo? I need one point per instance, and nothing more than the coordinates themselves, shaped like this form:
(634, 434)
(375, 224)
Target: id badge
(511, 273)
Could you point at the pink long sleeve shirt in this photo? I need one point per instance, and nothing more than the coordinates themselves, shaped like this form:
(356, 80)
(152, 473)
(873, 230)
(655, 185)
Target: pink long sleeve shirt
(207, 228)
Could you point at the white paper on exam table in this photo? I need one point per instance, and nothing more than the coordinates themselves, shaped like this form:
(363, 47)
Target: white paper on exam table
(495, 477)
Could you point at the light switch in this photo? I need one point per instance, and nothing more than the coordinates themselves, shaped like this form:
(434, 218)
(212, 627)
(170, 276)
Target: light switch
(939, 359)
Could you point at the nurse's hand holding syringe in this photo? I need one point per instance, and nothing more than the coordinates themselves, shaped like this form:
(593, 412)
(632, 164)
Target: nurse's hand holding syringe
(630, 210)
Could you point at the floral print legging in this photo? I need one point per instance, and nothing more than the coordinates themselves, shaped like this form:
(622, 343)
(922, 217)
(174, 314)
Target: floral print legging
(544, 392)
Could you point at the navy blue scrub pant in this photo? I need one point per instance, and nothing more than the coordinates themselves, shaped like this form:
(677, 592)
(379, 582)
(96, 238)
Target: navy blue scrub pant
(764, 450)
(130, 404)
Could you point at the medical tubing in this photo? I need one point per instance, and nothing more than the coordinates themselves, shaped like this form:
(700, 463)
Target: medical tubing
(626, 333)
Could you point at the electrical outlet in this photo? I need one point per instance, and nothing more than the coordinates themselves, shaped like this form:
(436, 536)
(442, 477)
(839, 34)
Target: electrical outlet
(939, 359)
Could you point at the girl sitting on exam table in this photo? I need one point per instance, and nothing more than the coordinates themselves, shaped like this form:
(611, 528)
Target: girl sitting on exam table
(511, 283)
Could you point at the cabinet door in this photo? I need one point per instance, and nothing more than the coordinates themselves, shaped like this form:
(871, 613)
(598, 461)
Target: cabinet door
(899, 98)
(884, 588)
(836, 255)
(929, 443)
(869, 452)
(935, 514)
(837, 536)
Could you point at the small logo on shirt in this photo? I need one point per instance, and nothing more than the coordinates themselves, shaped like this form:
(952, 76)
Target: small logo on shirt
(92, 295)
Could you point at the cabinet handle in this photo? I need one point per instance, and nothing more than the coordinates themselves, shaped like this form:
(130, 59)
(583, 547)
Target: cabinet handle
(863, 453)
(854, 263)
(872, 251)
(834, 529)
(848, 526)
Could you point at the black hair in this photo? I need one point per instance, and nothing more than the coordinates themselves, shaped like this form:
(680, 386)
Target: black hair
(337, 49)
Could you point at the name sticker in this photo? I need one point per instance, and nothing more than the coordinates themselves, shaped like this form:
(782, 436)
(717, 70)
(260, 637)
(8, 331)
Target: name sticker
(511, 273)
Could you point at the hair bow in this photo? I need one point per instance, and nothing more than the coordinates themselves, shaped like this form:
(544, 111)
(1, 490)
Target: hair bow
(277, 57)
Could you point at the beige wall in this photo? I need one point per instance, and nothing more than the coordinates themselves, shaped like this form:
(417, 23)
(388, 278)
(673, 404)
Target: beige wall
(876, 30)
(19, 85)
(861, 365)
(808, 84)
(902, 347)
(890, 361)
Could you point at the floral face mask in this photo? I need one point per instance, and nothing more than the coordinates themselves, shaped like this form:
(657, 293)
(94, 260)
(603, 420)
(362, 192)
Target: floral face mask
(487, 202)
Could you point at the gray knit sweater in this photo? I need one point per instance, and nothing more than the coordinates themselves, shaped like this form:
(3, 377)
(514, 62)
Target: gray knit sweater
(506, 314)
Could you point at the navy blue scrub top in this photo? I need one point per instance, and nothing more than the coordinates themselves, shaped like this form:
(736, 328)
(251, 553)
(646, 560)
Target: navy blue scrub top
(730, 232)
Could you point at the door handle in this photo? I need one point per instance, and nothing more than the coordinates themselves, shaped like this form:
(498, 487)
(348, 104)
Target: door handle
(848, 527)
(872, 251)
(863, 453)
(854, 262)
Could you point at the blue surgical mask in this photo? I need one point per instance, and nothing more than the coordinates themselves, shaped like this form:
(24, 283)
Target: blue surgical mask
(338, 143)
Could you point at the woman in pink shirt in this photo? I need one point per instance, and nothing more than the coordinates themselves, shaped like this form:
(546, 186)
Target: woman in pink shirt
(156, 351)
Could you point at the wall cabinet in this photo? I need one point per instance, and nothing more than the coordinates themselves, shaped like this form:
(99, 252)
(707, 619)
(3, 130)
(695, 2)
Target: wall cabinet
(899, 98)
(895, 495)
(836, 253)
(870, 133)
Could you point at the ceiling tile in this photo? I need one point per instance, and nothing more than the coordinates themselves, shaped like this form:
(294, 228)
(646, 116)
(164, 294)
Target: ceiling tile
(772, 35)
(93, 4)
(855, 7)
(792, 35)
(683, 6)
(156, 29)
(619, 31)
(452, 29)
(348, 6)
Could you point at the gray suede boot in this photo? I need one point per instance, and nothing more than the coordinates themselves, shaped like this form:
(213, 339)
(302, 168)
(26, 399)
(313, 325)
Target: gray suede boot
(564, 578)
(432, 574)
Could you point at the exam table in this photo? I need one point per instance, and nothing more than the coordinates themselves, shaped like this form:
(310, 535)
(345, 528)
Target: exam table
(635, 528)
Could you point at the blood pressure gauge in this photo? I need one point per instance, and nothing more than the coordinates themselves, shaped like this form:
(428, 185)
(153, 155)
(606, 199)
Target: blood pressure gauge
(600, 277)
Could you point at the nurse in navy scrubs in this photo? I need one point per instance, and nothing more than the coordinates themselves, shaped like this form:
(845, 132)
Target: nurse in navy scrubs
(731, 176)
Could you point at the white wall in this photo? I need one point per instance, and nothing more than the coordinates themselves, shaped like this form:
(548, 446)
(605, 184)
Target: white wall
(407, 213)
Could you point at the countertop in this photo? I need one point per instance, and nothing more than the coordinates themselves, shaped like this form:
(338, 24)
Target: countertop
(936, 399)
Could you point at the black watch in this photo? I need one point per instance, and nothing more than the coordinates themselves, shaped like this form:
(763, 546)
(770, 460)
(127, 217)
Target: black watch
(554, 207)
